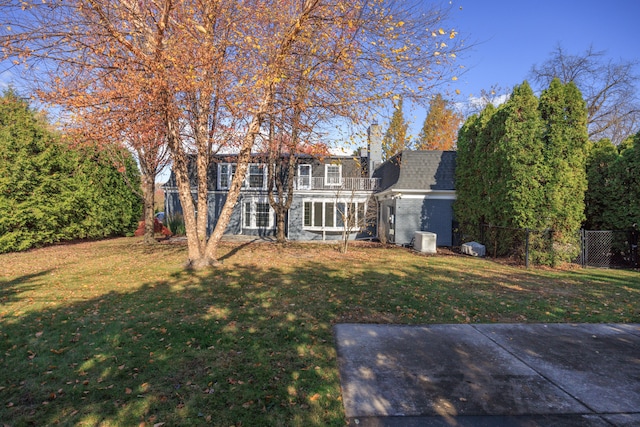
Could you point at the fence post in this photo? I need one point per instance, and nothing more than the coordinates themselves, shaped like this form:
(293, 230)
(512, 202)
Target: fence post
(585, 248)
(526, 248)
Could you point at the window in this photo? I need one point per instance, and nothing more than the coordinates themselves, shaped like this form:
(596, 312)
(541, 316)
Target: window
(333, 215)
(225, 175)
(257, 176)
(304, 177)
(257, 214)
(333, 174)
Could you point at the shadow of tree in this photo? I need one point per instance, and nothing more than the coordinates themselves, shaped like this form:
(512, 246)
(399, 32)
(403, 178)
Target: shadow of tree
(245, 344)
(11, 289)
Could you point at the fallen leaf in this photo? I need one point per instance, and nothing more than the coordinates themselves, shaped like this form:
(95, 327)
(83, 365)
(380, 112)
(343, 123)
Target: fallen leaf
(314, 397)
(128, 390)
(39, 334)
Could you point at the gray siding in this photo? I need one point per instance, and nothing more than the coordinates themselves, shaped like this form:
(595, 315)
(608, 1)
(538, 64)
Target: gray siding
(407, 219)
(437, 217)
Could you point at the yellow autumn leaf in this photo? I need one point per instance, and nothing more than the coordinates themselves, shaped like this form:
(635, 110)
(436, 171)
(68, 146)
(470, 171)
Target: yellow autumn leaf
(441, 31)
(454, 78)
(457, 91)
(452, 34)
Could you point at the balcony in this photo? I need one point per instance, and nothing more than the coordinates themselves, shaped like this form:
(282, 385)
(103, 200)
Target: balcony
(347, 184)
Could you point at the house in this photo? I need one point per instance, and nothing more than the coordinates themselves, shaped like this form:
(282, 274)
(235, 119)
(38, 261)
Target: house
(411, 192)
(417, 192)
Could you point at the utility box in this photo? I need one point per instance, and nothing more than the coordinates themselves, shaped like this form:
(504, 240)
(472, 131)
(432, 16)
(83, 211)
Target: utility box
(473, 249)
(425, 241)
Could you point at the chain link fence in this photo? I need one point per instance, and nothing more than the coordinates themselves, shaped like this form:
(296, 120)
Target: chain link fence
(523, 245)
(589, 248)
(609, 248)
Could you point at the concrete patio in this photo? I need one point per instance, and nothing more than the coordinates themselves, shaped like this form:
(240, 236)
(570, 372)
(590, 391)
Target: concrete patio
(490, 374)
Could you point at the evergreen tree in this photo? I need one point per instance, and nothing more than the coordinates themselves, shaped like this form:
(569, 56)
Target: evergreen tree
(395, 139)
(520, 160)
(602, 196)
(626, 181)
(472, 181)
(565, 137)
(440, 127)
(49, 192)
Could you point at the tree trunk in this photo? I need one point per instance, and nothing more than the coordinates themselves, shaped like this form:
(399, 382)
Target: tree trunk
(148, 195)
(234, 191)
(280, 227)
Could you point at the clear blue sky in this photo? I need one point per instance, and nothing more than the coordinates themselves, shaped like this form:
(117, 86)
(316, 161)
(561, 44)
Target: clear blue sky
(512, 35)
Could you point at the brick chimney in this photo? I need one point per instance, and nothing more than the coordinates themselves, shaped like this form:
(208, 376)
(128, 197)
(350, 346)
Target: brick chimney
(375, 147)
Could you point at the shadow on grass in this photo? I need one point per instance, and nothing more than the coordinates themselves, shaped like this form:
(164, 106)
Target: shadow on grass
(240, 345)
(11, 289)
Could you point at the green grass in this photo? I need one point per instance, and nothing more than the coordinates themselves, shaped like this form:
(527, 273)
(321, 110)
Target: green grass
(112, 333)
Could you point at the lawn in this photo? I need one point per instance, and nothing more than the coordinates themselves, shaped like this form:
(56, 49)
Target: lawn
(113, 333)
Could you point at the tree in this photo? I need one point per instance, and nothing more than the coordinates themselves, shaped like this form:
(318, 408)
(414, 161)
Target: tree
(602, 196)
(216, 71)
(51, 191)
(395, 138)
(519, 197)
(614, 185)
(440, 127)
(522, 166)
(565, 142)
(608, 87)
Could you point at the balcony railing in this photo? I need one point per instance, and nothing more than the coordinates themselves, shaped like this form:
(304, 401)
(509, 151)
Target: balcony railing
(346, 184)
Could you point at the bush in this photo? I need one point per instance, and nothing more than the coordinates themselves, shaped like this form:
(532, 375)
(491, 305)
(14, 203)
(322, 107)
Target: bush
(175, 224)
(51, 192)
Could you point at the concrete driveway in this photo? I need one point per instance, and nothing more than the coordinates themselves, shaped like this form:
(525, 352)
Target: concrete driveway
(490, 374)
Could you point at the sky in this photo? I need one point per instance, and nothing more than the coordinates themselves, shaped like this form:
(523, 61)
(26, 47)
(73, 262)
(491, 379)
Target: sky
(509, 36)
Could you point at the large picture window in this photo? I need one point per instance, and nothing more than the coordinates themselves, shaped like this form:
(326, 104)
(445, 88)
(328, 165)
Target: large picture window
(333, 215)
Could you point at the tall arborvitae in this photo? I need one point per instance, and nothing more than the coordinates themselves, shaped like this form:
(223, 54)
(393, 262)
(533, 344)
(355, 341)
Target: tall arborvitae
(395, 139)
(471, 163)
(601, 198)
(626, 172)
(520, 193)
(565, 138)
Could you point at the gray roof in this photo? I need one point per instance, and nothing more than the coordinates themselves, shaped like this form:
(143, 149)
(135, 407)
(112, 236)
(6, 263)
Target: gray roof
(419, 170)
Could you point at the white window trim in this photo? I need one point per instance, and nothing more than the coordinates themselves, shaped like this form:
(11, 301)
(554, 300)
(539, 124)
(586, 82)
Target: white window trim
(326, 175)
(310, 176)
(253, 213)
(245, 182)
(229, 175)
(264, 177)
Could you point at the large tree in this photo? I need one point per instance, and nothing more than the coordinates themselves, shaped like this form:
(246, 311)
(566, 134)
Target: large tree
(565, 148)
(522, 165)
(613, 175)
(440, 128)
(609, 88)
(216, 71)
(52, 191)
